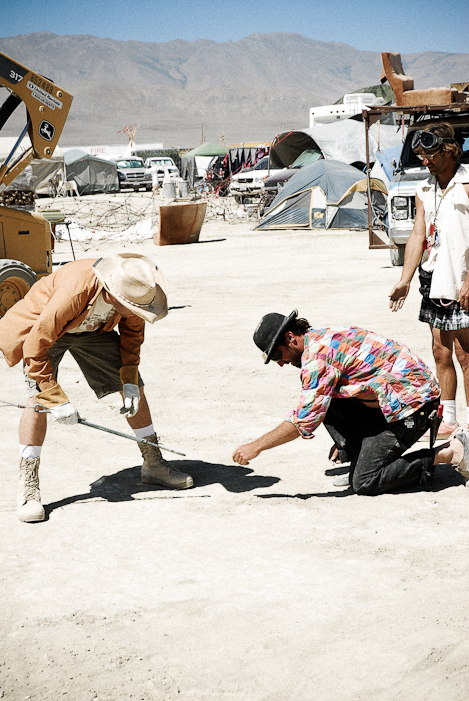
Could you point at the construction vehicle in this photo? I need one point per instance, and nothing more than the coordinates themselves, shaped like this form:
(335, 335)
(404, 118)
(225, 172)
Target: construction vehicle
(25, 237)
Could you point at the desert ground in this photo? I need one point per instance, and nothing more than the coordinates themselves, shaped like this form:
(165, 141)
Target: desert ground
(262, 583)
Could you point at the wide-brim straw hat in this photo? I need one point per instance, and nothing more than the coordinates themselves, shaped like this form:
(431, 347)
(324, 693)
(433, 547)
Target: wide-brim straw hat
(135, 282)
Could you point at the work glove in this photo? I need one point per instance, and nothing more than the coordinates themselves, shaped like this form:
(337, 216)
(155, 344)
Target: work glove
(64, 413)
(131, 399)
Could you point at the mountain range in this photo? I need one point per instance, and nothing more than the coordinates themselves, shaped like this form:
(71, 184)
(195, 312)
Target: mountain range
(182, 92)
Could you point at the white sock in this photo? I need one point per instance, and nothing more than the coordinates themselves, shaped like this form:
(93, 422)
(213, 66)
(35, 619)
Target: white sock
(144, 432)
(30, 451)
(449, 411)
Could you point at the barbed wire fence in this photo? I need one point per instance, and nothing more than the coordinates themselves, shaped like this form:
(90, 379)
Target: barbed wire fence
(113, 217)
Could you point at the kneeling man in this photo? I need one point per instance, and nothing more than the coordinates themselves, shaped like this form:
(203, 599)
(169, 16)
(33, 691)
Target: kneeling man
(374, 395)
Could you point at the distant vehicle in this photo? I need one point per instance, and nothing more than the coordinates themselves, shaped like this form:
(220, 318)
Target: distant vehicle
(273, 183)
(408, 173)
(217, 175)
(352, 105)
(159, 166)
(132, 173)
(249, 181)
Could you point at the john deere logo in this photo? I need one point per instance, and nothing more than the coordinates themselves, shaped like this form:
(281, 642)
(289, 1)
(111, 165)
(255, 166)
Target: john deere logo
(46, 130)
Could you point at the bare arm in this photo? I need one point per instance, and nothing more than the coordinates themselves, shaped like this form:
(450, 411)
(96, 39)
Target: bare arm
(464, 291)
(413, 253)
(464, 295)
(284, 433)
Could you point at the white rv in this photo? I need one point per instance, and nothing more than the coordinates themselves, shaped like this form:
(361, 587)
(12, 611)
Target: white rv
(353, 104)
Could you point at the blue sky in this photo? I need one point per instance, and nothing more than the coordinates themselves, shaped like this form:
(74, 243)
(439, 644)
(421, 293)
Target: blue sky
(373, 25)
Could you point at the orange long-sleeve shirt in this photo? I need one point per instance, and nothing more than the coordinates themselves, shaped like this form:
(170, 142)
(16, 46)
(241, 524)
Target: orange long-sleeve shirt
(54, 305)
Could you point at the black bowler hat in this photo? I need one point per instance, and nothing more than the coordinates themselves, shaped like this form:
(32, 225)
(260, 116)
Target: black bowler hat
(270, 331)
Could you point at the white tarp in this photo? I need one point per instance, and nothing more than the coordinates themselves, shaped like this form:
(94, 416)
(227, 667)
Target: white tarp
(42, 170)
(343, 141)
(77, 231)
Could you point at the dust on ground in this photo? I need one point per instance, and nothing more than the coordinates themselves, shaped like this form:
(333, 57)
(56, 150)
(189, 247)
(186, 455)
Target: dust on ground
(265, 582)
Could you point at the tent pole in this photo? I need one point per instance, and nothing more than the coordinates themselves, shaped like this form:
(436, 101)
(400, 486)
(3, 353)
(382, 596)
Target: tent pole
(374, 241)
(367, 145)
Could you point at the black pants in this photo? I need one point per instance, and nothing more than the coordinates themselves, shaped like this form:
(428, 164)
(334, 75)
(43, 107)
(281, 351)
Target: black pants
(375, 447)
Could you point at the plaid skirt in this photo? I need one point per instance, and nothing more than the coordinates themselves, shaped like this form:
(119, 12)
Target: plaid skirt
(450, 318)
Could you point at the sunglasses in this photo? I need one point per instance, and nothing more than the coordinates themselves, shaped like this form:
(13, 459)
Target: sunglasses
(427, 156)
(427, 140)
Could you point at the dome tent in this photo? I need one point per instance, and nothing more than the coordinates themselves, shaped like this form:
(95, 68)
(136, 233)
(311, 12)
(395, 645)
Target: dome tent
(324, 195)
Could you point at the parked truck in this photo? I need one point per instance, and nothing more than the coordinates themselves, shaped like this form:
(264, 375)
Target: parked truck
(133, 174)
(160, 166)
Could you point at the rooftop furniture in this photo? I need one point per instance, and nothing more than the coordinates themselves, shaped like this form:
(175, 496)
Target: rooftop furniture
(403, 86)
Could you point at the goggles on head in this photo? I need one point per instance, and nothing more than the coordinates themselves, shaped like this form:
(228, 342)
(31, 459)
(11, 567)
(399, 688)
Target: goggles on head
(428, 140)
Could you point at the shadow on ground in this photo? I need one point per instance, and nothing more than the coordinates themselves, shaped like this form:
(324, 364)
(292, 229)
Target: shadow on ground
(444, 477)
(124, 485)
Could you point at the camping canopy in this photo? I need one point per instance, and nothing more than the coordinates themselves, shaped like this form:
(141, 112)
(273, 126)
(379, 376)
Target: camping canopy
(325, 194)
(194, 163)
(340, 141)
(92, 175)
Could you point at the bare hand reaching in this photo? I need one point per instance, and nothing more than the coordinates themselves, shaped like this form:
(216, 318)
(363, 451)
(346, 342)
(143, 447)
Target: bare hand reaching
(245, 453)
(398, 294)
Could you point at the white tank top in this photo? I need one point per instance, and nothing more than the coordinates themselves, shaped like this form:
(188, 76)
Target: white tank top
(99, 313)
(449, 261)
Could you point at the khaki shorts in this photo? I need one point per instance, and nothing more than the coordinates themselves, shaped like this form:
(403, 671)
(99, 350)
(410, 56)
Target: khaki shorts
(98, 355)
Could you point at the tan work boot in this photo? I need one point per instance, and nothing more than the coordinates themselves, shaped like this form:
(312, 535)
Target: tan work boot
(29, 497)
(156, 470)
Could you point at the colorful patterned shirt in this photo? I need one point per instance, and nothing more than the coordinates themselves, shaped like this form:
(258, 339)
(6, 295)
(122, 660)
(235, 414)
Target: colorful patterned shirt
(346, 362)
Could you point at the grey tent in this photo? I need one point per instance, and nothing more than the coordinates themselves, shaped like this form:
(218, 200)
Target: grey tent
(324, 195)
(92, 175)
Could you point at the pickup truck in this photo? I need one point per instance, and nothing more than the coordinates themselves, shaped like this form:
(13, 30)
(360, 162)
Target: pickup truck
(161, 165)
(132, 173)
(408, 173)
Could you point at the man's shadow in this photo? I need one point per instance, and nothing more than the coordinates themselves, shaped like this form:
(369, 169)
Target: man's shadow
(444, 477)
(125, 484)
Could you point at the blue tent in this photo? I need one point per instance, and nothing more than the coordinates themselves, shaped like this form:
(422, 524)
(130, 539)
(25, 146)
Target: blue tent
(326, 194)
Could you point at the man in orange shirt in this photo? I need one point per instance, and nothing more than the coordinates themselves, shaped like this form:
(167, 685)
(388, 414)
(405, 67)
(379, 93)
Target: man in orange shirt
(76, 308)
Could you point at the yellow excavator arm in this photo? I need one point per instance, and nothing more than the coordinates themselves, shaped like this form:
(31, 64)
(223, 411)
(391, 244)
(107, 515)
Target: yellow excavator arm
(25, 237)
(47, 107)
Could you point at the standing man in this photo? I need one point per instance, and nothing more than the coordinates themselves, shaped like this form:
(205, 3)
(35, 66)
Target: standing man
(76, 308)
(441, 234)
(375, 397)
